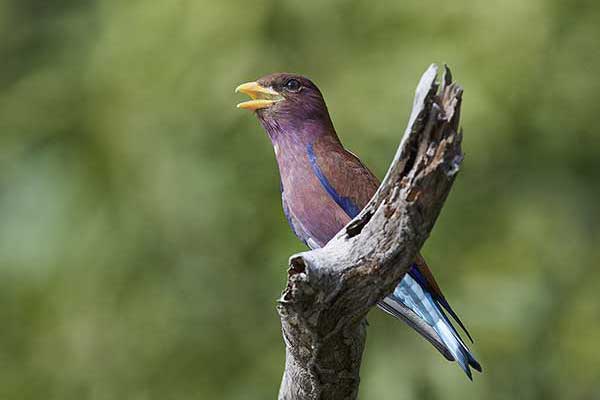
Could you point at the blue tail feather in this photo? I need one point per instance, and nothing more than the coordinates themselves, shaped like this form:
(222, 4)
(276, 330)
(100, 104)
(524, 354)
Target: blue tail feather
(413, 293)
(418, 276)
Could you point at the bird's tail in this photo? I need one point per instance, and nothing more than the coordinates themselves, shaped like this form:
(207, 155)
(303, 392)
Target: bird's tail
(415, 305)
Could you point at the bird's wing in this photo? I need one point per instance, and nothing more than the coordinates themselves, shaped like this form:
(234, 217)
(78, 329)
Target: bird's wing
(349, 183)
(352, 185)
(418, 300)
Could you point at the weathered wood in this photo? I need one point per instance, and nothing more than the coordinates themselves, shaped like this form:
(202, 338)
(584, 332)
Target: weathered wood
(330, 290)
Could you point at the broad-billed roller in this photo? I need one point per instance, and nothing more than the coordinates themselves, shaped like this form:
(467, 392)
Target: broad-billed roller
(324, 186)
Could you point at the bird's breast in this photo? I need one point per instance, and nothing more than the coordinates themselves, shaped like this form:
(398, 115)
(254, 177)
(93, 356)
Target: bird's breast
(311, 209)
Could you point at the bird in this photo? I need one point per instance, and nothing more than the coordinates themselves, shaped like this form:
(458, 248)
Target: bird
(324, 186)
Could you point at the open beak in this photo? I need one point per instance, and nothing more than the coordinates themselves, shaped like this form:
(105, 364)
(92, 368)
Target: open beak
(262, 97)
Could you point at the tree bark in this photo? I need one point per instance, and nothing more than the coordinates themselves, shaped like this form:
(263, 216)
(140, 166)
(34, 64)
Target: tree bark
(330, 290)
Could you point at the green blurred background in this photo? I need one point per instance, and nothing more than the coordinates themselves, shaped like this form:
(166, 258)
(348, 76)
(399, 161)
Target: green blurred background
(142, 244)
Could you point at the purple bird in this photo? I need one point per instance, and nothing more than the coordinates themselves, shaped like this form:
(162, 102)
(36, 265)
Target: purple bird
(324, 186)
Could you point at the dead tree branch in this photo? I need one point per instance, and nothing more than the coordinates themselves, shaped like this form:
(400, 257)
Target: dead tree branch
(330, 290)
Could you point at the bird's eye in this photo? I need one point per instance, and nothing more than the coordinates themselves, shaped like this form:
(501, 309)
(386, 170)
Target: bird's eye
(292, 85)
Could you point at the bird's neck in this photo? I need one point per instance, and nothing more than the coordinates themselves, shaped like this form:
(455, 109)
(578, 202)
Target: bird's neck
(291, 143)
(292, 134)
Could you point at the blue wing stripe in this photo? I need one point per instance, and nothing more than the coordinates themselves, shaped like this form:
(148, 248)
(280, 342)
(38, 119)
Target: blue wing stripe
(344, 202)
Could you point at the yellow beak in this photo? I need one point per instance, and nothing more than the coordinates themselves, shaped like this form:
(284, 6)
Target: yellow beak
(262, 97)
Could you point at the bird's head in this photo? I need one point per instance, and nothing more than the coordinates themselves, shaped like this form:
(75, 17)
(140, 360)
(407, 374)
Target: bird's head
(287, 103)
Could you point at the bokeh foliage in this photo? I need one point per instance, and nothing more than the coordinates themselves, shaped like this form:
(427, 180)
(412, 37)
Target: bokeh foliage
(142, 245)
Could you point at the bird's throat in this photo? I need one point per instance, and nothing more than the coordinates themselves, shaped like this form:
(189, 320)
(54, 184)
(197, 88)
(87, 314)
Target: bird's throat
(290, 133)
